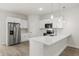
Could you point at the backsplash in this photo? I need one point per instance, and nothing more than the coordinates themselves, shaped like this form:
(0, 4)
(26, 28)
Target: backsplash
(56, 30)
(24, 31)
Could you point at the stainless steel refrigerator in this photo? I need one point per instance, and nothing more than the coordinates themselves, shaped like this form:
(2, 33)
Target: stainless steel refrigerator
(14, 33)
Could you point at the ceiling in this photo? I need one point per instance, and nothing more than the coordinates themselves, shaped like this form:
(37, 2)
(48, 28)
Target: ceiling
(32, 8)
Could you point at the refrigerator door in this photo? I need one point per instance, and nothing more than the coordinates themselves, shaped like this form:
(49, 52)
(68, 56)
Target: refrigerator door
(17, 33)
(14, 33)
(11, 33)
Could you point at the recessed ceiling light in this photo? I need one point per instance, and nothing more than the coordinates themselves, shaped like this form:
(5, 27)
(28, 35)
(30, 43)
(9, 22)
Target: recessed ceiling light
(40, 9)
(51, 16)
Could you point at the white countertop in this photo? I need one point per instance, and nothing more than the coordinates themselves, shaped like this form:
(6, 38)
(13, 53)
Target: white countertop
(48, 40)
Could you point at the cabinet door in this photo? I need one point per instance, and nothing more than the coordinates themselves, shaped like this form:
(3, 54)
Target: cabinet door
(55, 23)
(58, 23)
(10, 19)
(45, 21)
(24, 37)
(23, 23)
(17, 20)
(42, 24)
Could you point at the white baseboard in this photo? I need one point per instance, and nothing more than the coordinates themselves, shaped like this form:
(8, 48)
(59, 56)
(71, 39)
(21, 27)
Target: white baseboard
(61, 51)
(74, 46)
(24, 40)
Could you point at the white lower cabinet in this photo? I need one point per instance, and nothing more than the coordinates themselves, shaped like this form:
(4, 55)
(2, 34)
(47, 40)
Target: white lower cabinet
(24, 37)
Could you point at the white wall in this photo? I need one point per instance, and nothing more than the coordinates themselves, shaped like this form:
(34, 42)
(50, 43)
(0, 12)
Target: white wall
(34, 25)
(2, 29)
(72, 25)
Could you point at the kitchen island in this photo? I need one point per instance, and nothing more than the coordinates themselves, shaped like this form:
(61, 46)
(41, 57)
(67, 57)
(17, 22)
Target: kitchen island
(48, 45)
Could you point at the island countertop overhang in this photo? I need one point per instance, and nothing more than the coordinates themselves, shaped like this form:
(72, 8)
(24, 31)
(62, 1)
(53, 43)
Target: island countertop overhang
(48, 40)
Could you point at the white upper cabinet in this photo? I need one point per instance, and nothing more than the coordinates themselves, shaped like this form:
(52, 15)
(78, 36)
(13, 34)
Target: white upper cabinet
(17, 20)
(23, 23)
(57, 22)
(42, 24)
(45, 21)
(10, 19)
